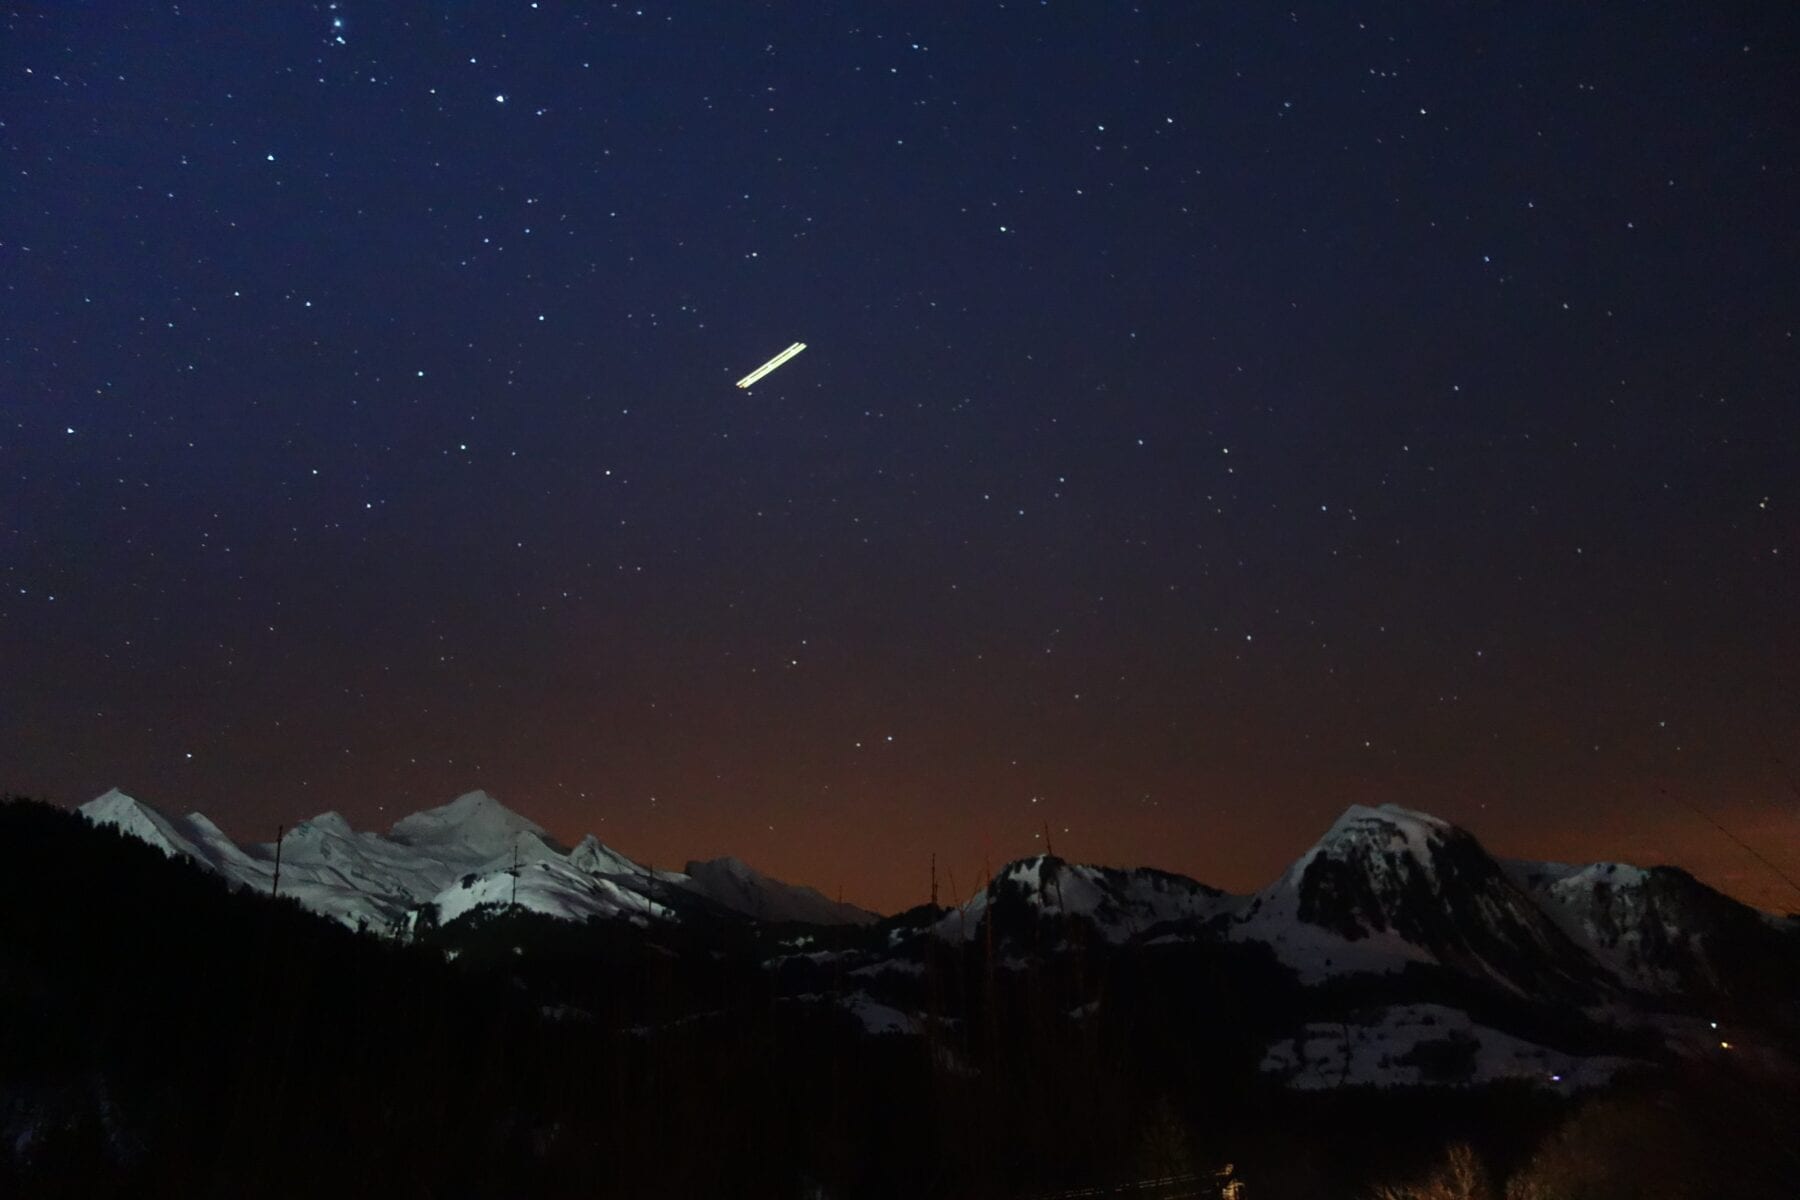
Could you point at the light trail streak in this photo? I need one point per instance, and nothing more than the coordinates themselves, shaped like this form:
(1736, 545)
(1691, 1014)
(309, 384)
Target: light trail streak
(757, 374)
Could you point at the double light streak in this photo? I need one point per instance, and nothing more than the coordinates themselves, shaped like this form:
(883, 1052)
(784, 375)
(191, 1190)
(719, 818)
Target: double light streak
(757, 374)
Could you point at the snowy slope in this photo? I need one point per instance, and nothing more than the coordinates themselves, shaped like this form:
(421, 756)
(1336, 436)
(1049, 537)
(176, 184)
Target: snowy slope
(361, 879)
(551, 887)
(178, 838)
(473, 828)
(595, 857)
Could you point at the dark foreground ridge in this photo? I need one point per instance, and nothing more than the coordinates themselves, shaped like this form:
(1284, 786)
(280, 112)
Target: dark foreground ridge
(166, 1028)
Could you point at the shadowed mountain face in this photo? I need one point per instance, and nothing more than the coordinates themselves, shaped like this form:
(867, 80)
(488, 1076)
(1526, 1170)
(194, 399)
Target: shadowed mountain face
(1660, 930)
(1388, 872)
(741, 888)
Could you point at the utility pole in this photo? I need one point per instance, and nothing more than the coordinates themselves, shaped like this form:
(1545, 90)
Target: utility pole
(514, 904)
(962, 919)
(275, 886)
(933, 1001)
(987, 1003)
(990, 1013)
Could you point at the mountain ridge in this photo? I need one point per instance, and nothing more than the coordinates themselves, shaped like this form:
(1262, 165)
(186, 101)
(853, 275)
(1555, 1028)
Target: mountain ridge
(1384, 890)
(442, 863)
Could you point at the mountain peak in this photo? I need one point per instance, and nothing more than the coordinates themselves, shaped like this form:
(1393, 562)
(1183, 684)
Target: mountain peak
(326, 822)
(1387, 823)
(132, 816)
(474, 821)
(110, 801)
(1386, 886)
(597, 858)
(1119, 903)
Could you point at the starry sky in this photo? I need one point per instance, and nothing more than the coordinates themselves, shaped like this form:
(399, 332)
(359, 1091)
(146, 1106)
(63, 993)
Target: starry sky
(1213, 415)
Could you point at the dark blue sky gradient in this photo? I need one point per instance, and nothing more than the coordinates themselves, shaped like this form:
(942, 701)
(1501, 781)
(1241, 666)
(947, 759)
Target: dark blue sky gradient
(1212, 416)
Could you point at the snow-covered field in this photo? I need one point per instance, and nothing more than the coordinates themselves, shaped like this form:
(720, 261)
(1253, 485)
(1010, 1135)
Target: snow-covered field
(1411, 1045)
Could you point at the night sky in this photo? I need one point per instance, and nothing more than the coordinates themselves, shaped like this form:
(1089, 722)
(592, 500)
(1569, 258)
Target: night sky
(1212, 416)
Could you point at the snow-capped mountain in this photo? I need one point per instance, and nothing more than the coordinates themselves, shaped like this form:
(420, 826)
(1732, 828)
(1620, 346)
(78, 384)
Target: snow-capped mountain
(193, 836)
(1383, 889)
(1387, 886)
(1567, 972)
(1119, 904)
(474, 827)
(444, 862)
(1661, 930)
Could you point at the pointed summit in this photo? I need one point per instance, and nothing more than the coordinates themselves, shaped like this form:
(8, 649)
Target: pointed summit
(1387, 886)
(112, 801)
(474, 824)
(132, 816)
(597, 858)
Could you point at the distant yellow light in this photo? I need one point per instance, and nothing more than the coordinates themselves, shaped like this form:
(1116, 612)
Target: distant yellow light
(1724, 1045)
(757, 374)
